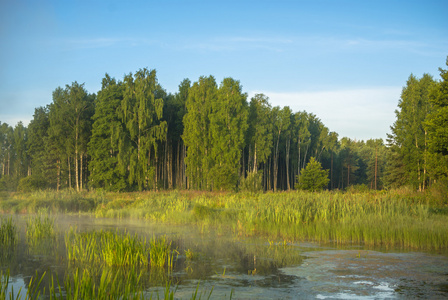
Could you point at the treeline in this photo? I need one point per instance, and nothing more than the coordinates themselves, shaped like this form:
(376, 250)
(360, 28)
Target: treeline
(133, 135)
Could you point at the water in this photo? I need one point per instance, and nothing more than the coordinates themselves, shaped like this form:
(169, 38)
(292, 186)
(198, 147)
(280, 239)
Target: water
(252, 268)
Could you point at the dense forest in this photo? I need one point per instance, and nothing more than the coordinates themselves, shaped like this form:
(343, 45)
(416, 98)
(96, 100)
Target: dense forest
(133, 135)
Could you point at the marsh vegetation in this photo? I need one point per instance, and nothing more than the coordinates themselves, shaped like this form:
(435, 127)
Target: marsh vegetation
(242, 239)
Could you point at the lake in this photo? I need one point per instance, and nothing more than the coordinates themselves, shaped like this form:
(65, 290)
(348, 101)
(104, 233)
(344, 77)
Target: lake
(248, 267)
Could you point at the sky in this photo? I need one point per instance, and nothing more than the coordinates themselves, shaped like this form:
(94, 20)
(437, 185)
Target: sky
(344, 61)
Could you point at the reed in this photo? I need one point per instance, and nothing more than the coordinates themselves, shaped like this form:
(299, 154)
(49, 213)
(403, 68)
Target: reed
(116, 249)
(33, 291)
(395, 219)
(8, 233)
(40, 228)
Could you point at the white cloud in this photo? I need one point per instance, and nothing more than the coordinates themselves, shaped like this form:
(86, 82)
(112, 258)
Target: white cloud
(355, 113)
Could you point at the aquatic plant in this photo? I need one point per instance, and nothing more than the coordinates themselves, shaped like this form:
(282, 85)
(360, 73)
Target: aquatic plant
(8, 233)
(32, 292)
(397, 218)
(40, 227)
(113, 248)
(160, 253)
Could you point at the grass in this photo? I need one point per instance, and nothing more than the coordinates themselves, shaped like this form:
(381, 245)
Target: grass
(393, 219)
(8, 233)
(40, 228)
(83, 284)
(115, 249)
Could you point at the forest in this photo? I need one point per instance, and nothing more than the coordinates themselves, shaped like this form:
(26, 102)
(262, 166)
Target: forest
(134, 136)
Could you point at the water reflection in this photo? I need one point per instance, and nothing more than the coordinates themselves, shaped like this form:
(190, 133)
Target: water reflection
(247, 267)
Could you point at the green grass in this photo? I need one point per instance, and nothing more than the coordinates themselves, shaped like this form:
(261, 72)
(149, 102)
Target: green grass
(8, 233)
(115, 249)
(40, 228)
(84, 284)
(394, 219)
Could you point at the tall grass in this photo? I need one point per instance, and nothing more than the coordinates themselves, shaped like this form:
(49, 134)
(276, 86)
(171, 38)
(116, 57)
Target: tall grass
(40, 228)
(116, 249)
(8, 233)
(399, 218)
(33, 291)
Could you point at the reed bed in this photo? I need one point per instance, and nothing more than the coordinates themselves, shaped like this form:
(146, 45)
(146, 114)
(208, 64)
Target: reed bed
(115, 249)
(40, 228)
(8, 233)
(395, 219)
(83, 284)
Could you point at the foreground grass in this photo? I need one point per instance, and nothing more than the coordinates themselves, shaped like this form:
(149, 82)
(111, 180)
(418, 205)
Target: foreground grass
(107, 285)
(395, 219)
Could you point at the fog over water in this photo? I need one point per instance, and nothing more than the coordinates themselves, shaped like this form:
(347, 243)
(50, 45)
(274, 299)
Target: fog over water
(250, 268)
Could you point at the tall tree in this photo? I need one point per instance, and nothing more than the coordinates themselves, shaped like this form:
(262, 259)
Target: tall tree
(408, 132)
(260, 130)
(21, 165)
(228, 124)
(103, 145)
(302, 138)
(197, 135)
(436, 125)
(141, 112)
(37, 134)
(281, 121)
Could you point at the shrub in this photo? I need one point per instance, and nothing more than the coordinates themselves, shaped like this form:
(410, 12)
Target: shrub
(313, 177)
(252, 183)
(31, 183)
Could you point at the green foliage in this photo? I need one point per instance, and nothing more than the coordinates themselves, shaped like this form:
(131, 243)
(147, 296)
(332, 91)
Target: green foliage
(104, 144)
(313, 177)
(8, 233)
(141, 113)
(32, 183)
(8, 183)
(40, 228)
(251, 183)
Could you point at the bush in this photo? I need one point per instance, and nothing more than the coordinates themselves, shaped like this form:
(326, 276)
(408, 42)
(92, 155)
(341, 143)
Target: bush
(8, 184)
(313, 177)
(252, 183)
(439, 191)
(31, 183)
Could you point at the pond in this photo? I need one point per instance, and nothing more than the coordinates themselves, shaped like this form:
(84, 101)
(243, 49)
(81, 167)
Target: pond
(247, 267)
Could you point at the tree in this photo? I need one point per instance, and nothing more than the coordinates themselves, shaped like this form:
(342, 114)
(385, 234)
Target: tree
(259, 139)
(281, 121)
(70, 128)
(228, 125)
(197, 135)
(408, 133)
(260, 130)
(436, 124)
(313, 177)
(141, 112)
(37, 134)
(103, 145)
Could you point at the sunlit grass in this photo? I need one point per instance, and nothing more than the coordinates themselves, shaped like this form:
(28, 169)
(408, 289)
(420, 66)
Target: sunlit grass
(40, 228)
(400, 218)
(8, 233)
(116, 249)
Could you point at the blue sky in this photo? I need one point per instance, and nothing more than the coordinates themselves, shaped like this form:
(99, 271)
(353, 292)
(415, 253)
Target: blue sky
(345, 61)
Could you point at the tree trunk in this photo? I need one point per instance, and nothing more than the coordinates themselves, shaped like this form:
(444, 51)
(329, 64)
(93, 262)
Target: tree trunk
(80, 174)
(276, 162)
(288, 145)
(376, 166)
(69, 173)
(331, 172)
(58, 174)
